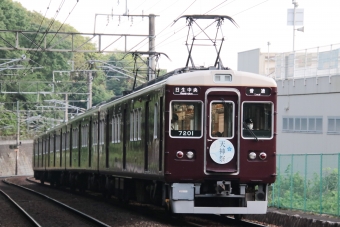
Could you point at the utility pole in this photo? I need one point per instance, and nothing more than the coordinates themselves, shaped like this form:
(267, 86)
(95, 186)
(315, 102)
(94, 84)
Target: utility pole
(295, 5)
(151, 72)
(89, 86)
(268, 59)
(66, 108)
(151, 59)
(18, 138)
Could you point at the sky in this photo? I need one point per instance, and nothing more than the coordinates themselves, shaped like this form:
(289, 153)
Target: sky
(259, 21)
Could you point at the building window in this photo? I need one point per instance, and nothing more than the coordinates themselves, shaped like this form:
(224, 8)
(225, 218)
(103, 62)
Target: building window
(302, 124)
(333, 125)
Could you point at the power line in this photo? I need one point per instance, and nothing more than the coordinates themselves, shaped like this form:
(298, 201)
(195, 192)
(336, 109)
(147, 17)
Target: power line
(49, 27)
(251, 7)
(64, 22)
(40, 24)
(221, 6)
(168, 7)
(153, 6)
(170, 23)
(138, 6)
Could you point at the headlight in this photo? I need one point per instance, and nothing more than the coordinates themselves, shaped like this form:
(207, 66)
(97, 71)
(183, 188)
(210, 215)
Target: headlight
(190, 154)
(252, 155)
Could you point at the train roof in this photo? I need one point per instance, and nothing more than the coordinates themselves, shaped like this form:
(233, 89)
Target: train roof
(214, 78)
(191, 77)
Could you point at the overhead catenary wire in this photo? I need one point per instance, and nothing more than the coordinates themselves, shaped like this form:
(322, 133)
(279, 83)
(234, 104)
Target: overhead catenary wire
(250, 7)
(138, 6)
(63, 22)
(216, 7)
(48, 28)
(169, 24)
(33, 41)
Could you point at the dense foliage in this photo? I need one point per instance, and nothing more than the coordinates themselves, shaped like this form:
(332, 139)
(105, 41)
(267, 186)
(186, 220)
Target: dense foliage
(308, 193)
(37, 72)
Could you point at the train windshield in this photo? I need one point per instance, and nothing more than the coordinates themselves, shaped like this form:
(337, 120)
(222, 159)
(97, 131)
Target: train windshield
(221, 119)
(186, 119)
(257, 120)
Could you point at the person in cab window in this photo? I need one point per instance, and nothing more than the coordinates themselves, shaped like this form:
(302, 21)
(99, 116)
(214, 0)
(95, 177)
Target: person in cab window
(174, 121)
(250, 123)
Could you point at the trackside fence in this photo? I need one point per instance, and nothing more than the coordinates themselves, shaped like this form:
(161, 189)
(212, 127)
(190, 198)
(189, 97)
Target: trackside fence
(307, 182)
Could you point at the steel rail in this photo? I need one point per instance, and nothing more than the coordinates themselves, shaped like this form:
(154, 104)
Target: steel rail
(92, 219)
(221, 218)
(29, 217)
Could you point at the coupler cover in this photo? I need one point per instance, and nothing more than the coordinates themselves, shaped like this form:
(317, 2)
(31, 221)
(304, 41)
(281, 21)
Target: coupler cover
(182, 191)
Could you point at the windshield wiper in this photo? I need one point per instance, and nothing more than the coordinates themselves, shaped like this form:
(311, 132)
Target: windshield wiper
(251, 131)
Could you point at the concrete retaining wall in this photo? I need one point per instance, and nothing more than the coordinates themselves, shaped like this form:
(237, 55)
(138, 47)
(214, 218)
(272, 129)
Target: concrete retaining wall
(8, 158)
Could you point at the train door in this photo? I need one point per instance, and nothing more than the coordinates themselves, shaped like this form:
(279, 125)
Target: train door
(222, 113)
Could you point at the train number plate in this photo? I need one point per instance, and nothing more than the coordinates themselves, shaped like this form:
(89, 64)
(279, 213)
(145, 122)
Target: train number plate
(189, 133)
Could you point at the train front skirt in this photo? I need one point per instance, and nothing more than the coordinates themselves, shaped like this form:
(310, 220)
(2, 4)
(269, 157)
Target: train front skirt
(185, 198)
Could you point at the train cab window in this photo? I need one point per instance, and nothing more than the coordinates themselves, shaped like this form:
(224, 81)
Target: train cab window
(257, 120)
(221, 119)
(186, 119)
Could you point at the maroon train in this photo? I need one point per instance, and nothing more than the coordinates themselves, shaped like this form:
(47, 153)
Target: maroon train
(195, 140)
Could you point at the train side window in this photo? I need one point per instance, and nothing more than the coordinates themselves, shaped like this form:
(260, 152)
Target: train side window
(113, 129)
(139, 126)
(135, 125)
(57, 143)
(186, 119)
(67, 140)
(101, 132)
(131, 124)
(95, 133)
(257, 120)
(221, 119)
(63, 145)
(155, 117)
(119, 118)
(84, 135)
(75, 137)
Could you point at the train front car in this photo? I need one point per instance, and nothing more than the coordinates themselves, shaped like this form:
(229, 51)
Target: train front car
(220, 141)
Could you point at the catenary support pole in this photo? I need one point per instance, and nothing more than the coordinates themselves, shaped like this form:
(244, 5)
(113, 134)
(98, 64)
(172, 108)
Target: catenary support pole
(151, 73)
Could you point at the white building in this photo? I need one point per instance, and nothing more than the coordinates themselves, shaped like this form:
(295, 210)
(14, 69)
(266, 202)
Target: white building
(308, 81)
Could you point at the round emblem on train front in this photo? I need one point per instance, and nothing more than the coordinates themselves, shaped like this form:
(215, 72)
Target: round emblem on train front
(222, 151)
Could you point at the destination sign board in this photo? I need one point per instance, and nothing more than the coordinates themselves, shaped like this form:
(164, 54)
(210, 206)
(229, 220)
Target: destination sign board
(186, 90)
(257, 91)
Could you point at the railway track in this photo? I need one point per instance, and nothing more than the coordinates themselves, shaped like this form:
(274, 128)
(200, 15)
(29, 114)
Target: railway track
(159, 214)
(12, 209)
(42, 210)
